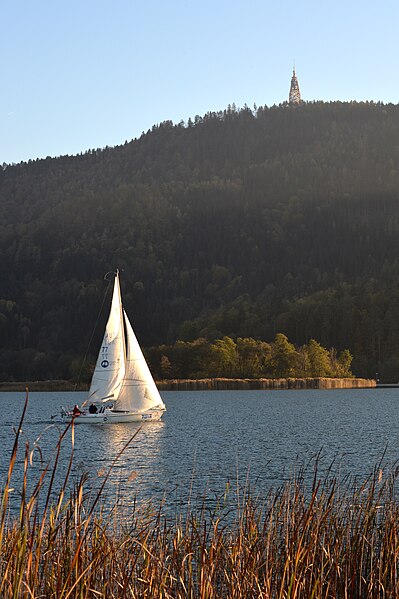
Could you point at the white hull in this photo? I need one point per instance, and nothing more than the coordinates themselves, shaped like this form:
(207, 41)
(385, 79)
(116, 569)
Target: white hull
(110, 417)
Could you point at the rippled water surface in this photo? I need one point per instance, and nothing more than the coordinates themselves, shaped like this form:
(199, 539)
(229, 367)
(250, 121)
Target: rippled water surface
(209, 440)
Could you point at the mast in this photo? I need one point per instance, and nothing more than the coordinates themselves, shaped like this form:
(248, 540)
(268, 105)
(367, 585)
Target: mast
(121, 316)
(295, 94)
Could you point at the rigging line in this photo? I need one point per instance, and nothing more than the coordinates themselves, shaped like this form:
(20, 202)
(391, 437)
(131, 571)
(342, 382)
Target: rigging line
(92, 334)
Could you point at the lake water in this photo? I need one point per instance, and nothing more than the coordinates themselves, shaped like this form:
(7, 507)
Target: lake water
(207, 441)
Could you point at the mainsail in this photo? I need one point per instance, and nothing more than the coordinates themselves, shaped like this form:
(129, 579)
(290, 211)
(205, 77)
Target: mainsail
(110, 367)
(139, 392)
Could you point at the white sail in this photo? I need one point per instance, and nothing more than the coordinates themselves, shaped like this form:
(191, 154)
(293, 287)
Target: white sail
(110, 367)
(139, 392)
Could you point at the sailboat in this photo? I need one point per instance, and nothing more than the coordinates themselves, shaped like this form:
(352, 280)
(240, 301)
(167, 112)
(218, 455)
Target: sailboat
(122, 388)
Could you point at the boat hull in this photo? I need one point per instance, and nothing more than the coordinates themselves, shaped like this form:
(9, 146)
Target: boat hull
(110, 417)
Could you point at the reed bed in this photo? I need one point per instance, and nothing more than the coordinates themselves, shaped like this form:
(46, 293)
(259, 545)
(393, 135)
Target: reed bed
(336, 539)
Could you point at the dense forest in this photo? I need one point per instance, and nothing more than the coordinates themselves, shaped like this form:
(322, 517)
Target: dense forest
(243, 223)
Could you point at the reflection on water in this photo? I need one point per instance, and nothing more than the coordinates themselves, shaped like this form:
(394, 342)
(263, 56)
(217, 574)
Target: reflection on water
(207, 442)
(138, 447)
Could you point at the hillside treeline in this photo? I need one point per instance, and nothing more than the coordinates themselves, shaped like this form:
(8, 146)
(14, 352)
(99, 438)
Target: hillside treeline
(242, 223)
(247, 358)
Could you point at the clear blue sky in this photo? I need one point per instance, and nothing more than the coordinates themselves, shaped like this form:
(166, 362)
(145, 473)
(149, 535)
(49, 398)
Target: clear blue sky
(83, 74)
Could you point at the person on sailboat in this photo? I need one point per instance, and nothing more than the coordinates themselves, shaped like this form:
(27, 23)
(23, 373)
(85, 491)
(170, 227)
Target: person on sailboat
(76, 411)
(93, 409)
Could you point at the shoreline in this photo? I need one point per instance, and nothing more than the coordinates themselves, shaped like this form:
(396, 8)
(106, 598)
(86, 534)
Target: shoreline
(210, 384)
(225, 384)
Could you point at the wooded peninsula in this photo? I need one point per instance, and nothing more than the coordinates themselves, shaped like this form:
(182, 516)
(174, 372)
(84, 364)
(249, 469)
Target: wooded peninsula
(252, 242)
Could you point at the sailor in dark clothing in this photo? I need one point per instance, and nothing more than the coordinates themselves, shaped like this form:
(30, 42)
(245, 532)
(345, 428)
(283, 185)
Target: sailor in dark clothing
(93, 409)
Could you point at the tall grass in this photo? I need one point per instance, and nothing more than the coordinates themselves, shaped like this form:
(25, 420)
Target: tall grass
(335, 540)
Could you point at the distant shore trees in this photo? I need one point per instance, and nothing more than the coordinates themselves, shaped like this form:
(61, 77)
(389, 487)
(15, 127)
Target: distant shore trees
(247, 358)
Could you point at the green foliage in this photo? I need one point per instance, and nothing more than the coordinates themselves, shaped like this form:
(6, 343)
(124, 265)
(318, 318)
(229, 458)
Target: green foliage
(241, 224)
(224, 357)
(247, 358)
(253, 357)
(284, 357)
(319, 359)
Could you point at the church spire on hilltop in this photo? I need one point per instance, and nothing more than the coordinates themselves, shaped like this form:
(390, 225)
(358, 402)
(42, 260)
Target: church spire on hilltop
(295, 94)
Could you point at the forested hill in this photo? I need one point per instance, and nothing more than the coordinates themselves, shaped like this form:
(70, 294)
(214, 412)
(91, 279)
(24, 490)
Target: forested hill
(242, 223)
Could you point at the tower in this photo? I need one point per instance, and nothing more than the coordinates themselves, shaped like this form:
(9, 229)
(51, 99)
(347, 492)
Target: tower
(295, 94)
